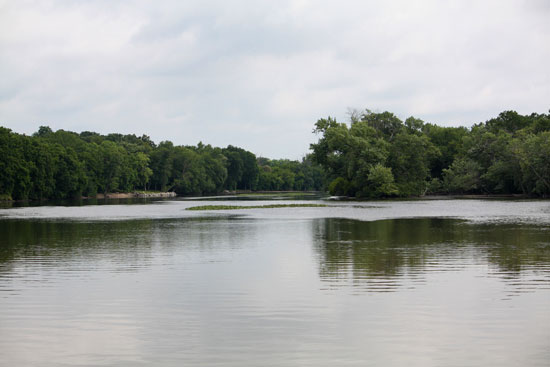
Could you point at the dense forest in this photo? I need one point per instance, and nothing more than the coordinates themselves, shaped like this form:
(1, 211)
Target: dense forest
(374, 155)
(64, 164)
(378, 155)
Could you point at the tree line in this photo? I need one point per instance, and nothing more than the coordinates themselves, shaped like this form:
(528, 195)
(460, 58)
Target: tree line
(64, 165)
(374, 155)
(379, 155)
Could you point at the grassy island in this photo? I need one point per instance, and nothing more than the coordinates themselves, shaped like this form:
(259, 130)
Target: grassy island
(269, 206)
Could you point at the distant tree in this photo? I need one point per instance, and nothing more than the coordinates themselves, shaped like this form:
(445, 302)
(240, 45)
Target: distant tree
(43, 131)
(386, 123)
(113, 164)
(348, 154)
(449, 142)
(534, 158)
(242, 169)
(409, 160)
(381, 182)
(161, 164)
(463, 177)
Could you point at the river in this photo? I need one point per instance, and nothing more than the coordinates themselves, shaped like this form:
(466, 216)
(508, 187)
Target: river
(387, 283)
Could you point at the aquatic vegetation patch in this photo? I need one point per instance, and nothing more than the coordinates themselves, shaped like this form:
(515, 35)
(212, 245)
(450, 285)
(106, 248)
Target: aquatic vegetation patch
(279, 193)
(270, 206)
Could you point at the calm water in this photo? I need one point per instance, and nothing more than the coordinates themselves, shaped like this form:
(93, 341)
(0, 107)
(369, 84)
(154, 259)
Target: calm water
(416, 283)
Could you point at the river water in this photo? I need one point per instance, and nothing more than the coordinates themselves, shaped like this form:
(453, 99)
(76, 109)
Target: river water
(389, 283)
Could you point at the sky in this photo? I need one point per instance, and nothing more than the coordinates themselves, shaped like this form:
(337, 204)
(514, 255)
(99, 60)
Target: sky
(259, 74)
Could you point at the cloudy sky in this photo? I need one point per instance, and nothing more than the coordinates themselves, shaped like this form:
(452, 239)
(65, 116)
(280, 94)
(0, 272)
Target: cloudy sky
(258, 74)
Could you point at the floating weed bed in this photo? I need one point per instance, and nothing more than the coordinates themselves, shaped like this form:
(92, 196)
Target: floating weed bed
(278, 193)
(271, 206)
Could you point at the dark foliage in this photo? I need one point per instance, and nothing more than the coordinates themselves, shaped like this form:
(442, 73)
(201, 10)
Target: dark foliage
(379, 155)
(64, 164)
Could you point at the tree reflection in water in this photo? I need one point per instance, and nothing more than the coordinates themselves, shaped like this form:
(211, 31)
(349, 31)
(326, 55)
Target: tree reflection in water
(387, 254)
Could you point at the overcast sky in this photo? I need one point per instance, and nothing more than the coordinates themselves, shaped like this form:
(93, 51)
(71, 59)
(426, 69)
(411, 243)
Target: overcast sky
(258, 74)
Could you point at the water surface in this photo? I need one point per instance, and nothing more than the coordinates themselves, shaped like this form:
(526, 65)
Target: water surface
(421, 283)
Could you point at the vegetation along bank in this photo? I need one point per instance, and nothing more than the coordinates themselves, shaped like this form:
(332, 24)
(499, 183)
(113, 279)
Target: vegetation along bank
(374, 155)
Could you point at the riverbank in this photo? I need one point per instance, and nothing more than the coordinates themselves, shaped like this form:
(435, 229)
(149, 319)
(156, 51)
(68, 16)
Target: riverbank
(114, 195)
(445, 197)
(136, 195)
(245, 193)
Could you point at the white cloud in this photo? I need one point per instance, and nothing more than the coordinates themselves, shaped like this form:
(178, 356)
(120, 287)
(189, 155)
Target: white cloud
(259, 74)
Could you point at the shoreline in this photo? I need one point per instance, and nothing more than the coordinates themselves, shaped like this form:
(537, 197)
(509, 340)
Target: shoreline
(114, 195)
(171, 194)
(133, 195)
(447, 197)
